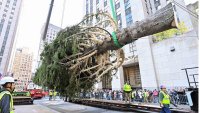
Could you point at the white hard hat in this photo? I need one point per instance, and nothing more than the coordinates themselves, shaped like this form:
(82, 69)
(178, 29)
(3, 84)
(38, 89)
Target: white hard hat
(5, 80)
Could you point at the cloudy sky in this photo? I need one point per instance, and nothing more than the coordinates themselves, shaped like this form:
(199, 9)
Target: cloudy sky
(34, 14)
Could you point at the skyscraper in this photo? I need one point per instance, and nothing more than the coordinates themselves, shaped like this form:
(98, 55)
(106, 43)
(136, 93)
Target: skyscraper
(52, 32)
(9, 16)
(22, 67)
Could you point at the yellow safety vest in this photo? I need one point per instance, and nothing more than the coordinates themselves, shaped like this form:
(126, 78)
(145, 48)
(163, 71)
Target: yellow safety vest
(11, 100)
(166, 99)
(127, 88)
(133, 94)
(55, 93)
(50, 93)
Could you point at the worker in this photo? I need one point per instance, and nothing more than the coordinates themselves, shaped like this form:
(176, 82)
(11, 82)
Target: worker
(127, 91)
(54, 95)
(6, 99)
(50, 94)
(164, 99)
(133, 95)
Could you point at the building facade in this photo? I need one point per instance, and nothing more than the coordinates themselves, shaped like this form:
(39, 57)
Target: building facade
(52, 32)
(139, 67)
(22, 67)
(9, 16)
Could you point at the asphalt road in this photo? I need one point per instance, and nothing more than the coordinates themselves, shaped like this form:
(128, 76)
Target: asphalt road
(59, 106)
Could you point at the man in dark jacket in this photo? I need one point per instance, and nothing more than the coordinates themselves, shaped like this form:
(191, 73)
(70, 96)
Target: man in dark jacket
(6, 100)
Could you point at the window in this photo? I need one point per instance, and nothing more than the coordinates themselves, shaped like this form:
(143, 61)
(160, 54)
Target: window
(1, 25)
(91, 6)
(5, 40)
(128, 11)
(105, 3)
(97, 10)
(14, 4)
(5, 10)
(11, 17)
(13, 8)
(128, 14)
(125, 1)
(0, 60)
(7, 5)
(119, 20)
(132, 47)
(117, 6)
(97, 1)
(168, 1)
(87, 12)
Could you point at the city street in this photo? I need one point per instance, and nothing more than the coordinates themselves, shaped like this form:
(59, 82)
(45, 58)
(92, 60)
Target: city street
(59, 106)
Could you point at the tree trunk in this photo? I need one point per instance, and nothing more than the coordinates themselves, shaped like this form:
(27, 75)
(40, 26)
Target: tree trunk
(162, 20)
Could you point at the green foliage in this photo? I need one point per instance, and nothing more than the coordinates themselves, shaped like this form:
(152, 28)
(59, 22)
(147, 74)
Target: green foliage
(170, 33)
(52, 74)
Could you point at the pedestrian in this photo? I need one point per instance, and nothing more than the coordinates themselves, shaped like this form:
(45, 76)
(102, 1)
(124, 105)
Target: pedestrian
(155, 96)
(127, 91)
(164, 99)
(6, 99)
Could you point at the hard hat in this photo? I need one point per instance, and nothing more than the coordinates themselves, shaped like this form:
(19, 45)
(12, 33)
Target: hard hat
(5, 80)
(162, 86)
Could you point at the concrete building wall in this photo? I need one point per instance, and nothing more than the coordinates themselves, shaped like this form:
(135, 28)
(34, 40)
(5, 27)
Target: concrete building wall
(9, 15)
(167, 63)
(146, 63)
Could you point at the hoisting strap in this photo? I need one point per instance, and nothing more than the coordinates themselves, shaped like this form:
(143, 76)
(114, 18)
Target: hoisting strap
(114, 36)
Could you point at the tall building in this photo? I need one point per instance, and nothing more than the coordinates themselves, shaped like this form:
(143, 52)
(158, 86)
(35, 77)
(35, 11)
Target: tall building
(22, 67)
(52, 32)
(140, 66)
(9, 16)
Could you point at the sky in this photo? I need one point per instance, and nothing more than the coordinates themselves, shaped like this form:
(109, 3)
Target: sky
(33, 16)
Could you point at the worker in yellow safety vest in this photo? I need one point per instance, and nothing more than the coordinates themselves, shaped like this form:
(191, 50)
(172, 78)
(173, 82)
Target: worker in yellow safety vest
(164, 100)
(127, 91)
(50, 94)
(54, 95)
(6, 99)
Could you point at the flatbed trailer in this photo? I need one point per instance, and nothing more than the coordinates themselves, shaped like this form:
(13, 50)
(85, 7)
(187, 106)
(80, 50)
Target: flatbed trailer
(22, 100)
(122, 106)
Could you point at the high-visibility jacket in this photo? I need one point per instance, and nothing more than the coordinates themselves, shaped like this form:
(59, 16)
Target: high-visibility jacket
(133, 94)
(127, 88)
(11, 100)
(55, 93)
(50, 93)
(146, 94)
(166, 99)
